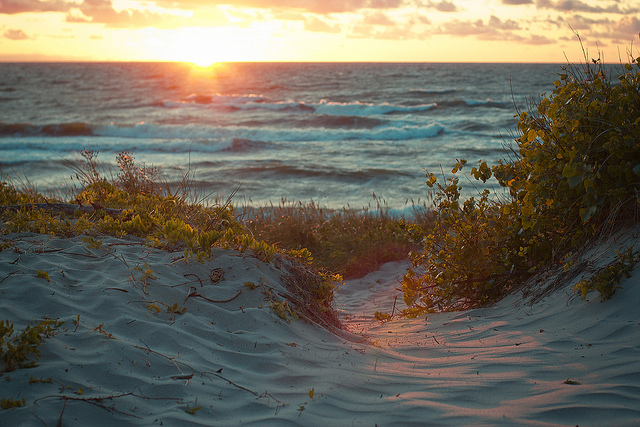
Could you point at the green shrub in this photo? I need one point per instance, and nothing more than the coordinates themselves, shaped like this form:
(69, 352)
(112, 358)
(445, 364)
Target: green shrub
(22, 351)
(576, 172)
(606, 281)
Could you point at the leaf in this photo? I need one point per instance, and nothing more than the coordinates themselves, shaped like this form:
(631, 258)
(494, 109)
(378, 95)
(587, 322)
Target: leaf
(311, 393)
(585, 214)
(575, 180)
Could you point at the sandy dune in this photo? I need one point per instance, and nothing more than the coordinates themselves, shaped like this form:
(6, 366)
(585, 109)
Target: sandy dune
(135, 358)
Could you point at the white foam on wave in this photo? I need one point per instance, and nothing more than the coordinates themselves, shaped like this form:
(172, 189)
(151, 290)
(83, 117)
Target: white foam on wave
(226, 134)
(366, 109)
(253, 101)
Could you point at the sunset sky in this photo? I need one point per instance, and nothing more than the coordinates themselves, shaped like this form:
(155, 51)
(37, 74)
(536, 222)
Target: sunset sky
(206, 31)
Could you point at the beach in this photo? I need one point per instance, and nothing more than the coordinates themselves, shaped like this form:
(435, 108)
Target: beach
(150, 338)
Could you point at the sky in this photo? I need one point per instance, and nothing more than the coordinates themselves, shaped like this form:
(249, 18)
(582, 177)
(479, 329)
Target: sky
(209, 31)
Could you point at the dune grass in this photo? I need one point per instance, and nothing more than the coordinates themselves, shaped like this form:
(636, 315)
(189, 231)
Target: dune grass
(349, 242)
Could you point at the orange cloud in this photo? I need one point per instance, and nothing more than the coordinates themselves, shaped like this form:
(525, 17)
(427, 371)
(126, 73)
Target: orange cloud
(317, 25)
(444, 6)
(102, 12)
(15, 35)
(579, 6)
(321, 7)
(11, 7)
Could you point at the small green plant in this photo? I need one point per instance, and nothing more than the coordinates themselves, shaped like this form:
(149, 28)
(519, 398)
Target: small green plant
(92, 243)
(22, 351)
(147, 274)
(606, 281)
(154, 307)
(43, 275)
(381, 317)
(173, 309)
(283, 310)
(250, 285)
(8, 403)
(192, 410)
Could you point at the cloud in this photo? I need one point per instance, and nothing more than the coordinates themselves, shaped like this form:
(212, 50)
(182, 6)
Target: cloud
(317, 25)
(15, 35)
(321, 7)
(568, 6)
(377, 18)
(627, 26)
(580, 22)
(11, 7)
(495, 28)
(443, 6)
(379, 25)
(90, 11)
(516, 2)
(102, 12)
(599, 28)
(538, 40)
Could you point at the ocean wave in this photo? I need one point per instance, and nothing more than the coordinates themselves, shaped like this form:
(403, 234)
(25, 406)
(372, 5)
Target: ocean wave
(430, 92)
(488, 103)
(60, 129)
(283, 170)
(337, 122)
(367, 109)
(223, 136)
(254, 102)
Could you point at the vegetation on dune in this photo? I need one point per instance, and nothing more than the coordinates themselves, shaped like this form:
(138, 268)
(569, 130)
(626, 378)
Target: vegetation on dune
(136, 204)
(348, 242)
(575, 174)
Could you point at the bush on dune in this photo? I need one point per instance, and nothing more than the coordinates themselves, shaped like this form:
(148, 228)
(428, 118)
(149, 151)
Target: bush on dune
(135, 203)
(576, 172)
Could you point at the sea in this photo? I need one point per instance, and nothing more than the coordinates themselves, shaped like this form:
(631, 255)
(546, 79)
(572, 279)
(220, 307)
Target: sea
(338, 134)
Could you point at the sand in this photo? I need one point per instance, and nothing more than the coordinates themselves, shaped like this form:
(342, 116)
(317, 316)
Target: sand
(132, 357)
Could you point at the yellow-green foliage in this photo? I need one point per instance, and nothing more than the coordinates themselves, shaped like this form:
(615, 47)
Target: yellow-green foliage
(283, 310)
(10, 196)
(22, 351)
(43, 275)
(8, 403)
(577, 171)
(606, 281)
(166, 218)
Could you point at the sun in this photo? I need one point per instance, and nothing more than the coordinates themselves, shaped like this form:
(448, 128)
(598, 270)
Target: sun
(203, 62)
(190, 45)
(205, 47)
